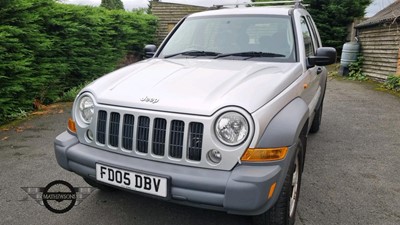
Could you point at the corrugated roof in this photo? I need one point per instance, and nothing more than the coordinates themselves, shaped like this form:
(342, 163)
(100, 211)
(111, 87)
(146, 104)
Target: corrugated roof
(388, 14)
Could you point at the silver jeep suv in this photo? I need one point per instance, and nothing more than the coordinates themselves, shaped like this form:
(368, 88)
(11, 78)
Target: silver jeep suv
(218, 117)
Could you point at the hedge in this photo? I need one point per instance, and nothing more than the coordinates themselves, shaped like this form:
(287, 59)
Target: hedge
(46, 48)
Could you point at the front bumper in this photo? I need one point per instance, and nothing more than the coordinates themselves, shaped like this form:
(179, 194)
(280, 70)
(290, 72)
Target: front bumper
(243, 190)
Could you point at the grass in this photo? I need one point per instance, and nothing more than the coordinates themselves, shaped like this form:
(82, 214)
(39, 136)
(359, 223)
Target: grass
(333, 70)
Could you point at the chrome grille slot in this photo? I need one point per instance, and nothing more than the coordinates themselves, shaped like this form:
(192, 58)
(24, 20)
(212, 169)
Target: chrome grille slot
(159, 132)
(114, 129)
(101, 127)
(127, 132)
(195, 141)
(176, 139)
(142, 142)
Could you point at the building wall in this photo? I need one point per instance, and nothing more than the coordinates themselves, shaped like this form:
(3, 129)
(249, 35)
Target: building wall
(380, 46)
(169, 14)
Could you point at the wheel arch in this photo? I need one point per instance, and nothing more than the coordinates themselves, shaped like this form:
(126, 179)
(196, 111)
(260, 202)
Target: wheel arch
(286, 126)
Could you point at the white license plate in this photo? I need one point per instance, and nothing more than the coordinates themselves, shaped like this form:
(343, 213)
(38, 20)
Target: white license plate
(144, 183)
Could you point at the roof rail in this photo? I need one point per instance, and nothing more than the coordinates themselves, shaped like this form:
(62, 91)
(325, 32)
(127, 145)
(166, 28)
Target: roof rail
(294, 3)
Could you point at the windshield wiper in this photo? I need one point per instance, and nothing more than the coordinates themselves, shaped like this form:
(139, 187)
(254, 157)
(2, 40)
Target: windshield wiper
(250, 54)
(194, 53)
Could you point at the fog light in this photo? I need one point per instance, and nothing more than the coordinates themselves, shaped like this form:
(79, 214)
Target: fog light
(214, 156)
(89, 135)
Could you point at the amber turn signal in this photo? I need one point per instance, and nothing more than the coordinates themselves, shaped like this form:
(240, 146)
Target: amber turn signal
(271, 190)
(264, 154)
(71, 125)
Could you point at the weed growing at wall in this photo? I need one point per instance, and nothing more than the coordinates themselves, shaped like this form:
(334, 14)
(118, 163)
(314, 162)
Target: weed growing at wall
(392, 83)
(355, 69)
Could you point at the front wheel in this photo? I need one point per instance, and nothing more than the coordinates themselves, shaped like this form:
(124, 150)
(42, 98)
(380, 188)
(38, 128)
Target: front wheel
(284, 210)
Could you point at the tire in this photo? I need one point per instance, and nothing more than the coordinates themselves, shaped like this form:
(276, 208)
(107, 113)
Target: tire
(99, 186)
(317, 119)
(284, 210)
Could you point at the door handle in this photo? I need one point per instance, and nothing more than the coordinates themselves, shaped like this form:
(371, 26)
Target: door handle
(319, 70)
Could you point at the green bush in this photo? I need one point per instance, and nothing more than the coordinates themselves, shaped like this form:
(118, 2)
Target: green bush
(392, 83)
(355, 69)
(47, 48)
(69, 96)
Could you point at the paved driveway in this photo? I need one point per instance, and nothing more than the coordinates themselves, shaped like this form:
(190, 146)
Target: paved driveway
(352, 171)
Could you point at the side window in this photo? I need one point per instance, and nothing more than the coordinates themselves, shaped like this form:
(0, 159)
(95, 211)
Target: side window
(308, 41)
(314, 30)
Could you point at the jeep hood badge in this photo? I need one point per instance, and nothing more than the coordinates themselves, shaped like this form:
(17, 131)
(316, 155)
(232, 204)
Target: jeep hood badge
(150, 100)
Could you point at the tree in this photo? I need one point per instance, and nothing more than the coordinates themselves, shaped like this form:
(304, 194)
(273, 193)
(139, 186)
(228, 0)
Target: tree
(112, 4)
(333, 17)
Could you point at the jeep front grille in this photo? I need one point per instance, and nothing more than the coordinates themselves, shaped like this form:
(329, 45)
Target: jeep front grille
(101, 127)
(114, 129)
(143, 134)
(150, 135)
(176, 139)
(127, 132)
(159, 131)
(195, 141)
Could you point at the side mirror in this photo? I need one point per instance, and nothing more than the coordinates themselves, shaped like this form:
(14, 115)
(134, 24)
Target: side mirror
(324, 56)
(150, 50)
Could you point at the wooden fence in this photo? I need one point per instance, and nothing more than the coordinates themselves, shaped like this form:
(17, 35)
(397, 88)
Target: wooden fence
(380, 47)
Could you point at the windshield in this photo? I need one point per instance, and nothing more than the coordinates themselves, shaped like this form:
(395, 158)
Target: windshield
(260, 38)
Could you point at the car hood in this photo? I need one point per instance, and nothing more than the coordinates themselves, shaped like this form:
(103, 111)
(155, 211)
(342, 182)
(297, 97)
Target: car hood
(194, 86)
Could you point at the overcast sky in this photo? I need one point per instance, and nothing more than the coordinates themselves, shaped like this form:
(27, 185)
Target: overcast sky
(376, 6)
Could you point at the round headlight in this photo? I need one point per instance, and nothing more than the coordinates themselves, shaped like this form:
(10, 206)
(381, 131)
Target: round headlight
(231, 128)
(86, 109)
